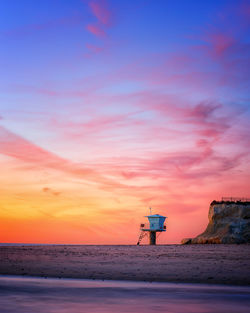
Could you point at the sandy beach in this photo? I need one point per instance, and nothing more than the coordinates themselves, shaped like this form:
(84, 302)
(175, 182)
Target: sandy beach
(213, 264)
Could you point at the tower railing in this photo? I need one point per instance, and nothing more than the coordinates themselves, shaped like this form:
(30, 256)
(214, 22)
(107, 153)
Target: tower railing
(147, 226)
(144, 226)
(235, 199)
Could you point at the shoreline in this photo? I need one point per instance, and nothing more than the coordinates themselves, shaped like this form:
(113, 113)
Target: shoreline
(126, 281)
(135, 283)
(194, 264)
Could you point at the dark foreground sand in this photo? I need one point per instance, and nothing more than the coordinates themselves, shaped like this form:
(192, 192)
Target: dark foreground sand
(223, 264)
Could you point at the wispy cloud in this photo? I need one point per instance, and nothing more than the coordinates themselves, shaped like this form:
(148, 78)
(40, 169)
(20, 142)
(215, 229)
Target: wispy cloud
(51, 191)
(104, 17)
(101, 11)
(15, 146)
(96, 30)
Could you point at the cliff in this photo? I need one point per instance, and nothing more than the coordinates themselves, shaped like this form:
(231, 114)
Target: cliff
(229, 222)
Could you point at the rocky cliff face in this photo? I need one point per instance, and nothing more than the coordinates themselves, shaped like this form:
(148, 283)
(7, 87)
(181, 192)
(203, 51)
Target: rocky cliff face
(229, 222)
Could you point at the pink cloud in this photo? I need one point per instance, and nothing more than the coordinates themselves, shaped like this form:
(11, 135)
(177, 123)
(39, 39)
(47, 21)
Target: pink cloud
(101, 11)
(96, 30)
(207, 118)
(17, 147)
(220, 42)
(104, 18)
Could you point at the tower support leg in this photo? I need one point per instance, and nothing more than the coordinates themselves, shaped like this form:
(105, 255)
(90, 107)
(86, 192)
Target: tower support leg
(152, 238)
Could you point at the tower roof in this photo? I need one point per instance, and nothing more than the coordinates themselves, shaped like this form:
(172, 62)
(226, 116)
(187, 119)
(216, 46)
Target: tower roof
(155, 215)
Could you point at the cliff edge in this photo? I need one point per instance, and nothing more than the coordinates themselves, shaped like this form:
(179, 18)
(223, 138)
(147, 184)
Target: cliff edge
(229, 222)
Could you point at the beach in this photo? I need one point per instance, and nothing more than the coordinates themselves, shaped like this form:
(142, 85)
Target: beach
(209, 264)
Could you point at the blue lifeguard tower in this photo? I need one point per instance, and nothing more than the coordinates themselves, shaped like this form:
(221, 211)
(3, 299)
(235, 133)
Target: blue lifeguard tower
(155, 224)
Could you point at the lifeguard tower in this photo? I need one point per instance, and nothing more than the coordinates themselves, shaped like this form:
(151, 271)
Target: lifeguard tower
(155, 224)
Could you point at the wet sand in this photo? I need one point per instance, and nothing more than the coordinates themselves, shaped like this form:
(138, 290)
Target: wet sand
(212, 264)
(29, 295)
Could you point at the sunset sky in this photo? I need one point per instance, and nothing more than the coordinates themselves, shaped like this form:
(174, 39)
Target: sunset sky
(110, 107)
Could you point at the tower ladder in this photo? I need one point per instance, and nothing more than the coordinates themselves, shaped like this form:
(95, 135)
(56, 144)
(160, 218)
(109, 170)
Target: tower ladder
(142, 235)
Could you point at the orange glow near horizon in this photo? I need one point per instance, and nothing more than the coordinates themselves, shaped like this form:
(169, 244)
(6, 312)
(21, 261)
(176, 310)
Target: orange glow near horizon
(61, 209)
